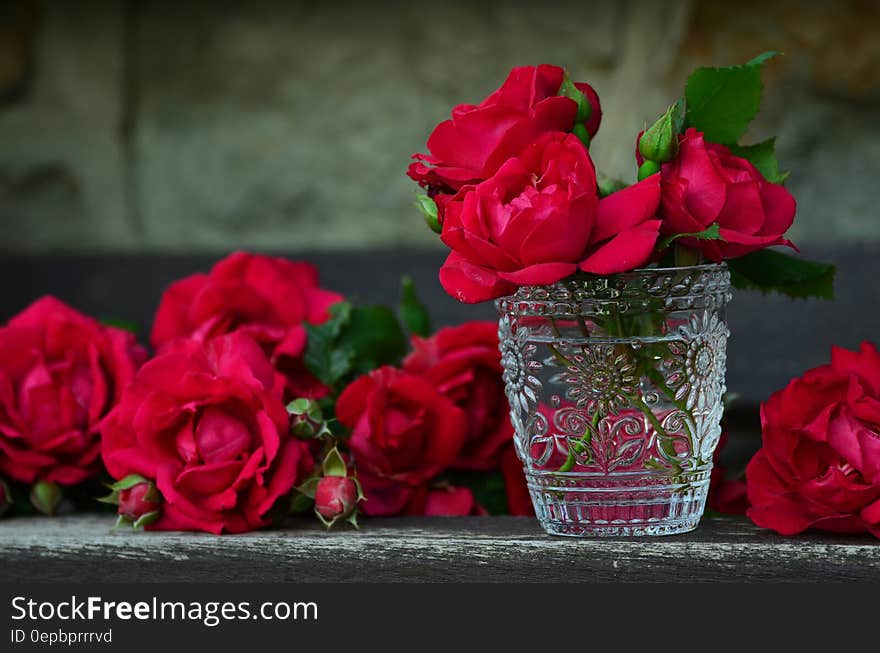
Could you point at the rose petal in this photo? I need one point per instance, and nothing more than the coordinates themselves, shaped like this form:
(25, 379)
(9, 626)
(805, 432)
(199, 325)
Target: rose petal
(629, 249)
(470, 283)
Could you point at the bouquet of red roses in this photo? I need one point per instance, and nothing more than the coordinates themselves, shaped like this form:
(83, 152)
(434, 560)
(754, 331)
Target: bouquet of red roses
(514, 194)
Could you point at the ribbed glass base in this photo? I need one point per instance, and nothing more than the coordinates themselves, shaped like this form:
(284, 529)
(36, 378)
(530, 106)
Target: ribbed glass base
(609, 506)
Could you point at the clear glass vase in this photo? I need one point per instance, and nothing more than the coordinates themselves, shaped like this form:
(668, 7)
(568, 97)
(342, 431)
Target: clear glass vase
(615, 387)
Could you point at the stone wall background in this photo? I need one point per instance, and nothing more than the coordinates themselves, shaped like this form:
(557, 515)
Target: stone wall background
(137, 125)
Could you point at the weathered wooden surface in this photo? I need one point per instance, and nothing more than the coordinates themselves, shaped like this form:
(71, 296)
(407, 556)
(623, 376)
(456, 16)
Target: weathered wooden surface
(81, 549)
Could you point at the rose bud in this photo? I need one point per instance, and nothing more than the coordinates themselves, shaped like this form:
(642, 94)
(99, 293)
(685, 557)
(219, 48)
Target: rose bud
(336, 498)
(659, 143)
(335, 494)
(5, 497)
(306, 418)
(46, 497)
(139, 501)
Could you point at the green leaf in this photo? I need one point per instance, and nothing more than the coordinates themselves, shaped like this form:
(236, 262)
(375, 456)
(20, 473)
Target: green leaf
(569, 90)
(763, 157)
(712, 232)
(412, 311)
(322, 358)
(762, 58)
(768, 270)
(721, 102)
(372, 338)
(679, 113)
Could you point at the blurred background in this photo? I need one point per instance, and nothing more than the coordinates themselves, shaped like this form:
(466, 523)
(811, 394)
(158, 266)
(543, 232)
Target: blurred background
(131, 125)
(142, 140)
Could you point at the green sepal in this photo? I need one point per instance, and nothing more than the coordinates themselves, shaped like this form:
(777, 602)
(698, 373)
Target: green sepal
(120, 520)
(581, 132)
(721, 102)
(647, 169)
(309, 486)
(8, 498)
(712, 232)
(128, 482)
(412, 311)
(334, 464)
(684, 257)
(153, 493)
(569, 90)
(361, 496)
(428, 209)
(770, 271)
(146, 519)
(112, 498)
(308, 407)
(46, 496)
(327, 522)
(300, 503)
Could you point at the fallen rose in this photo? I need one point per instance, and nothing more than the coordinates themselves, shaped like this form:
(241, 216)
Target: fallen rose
(61, 372)
(403, 433)
(206, 423)
(464, 363)
(269, 299)
(819, 466)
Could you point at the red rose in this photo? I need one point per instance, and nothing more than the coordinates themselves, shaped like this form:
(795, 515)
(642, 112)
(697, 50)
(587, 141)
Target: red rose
(451, 501)
(471, 146)
(518, 500)
(819, 466)
(269, 299)
(726, 495)
(539, 219)
(464, 363)
(206, 423)
(706, 184)
(404, 432)
(60, 374)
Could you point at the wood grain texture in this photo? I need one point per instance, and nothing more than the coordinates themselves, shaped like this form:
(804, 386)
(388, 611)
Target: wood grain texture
(468, 549)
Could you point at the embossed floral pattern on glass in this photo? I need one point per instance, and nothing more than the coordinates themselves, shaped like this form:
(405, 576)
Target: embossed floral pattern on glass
(615, 387)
